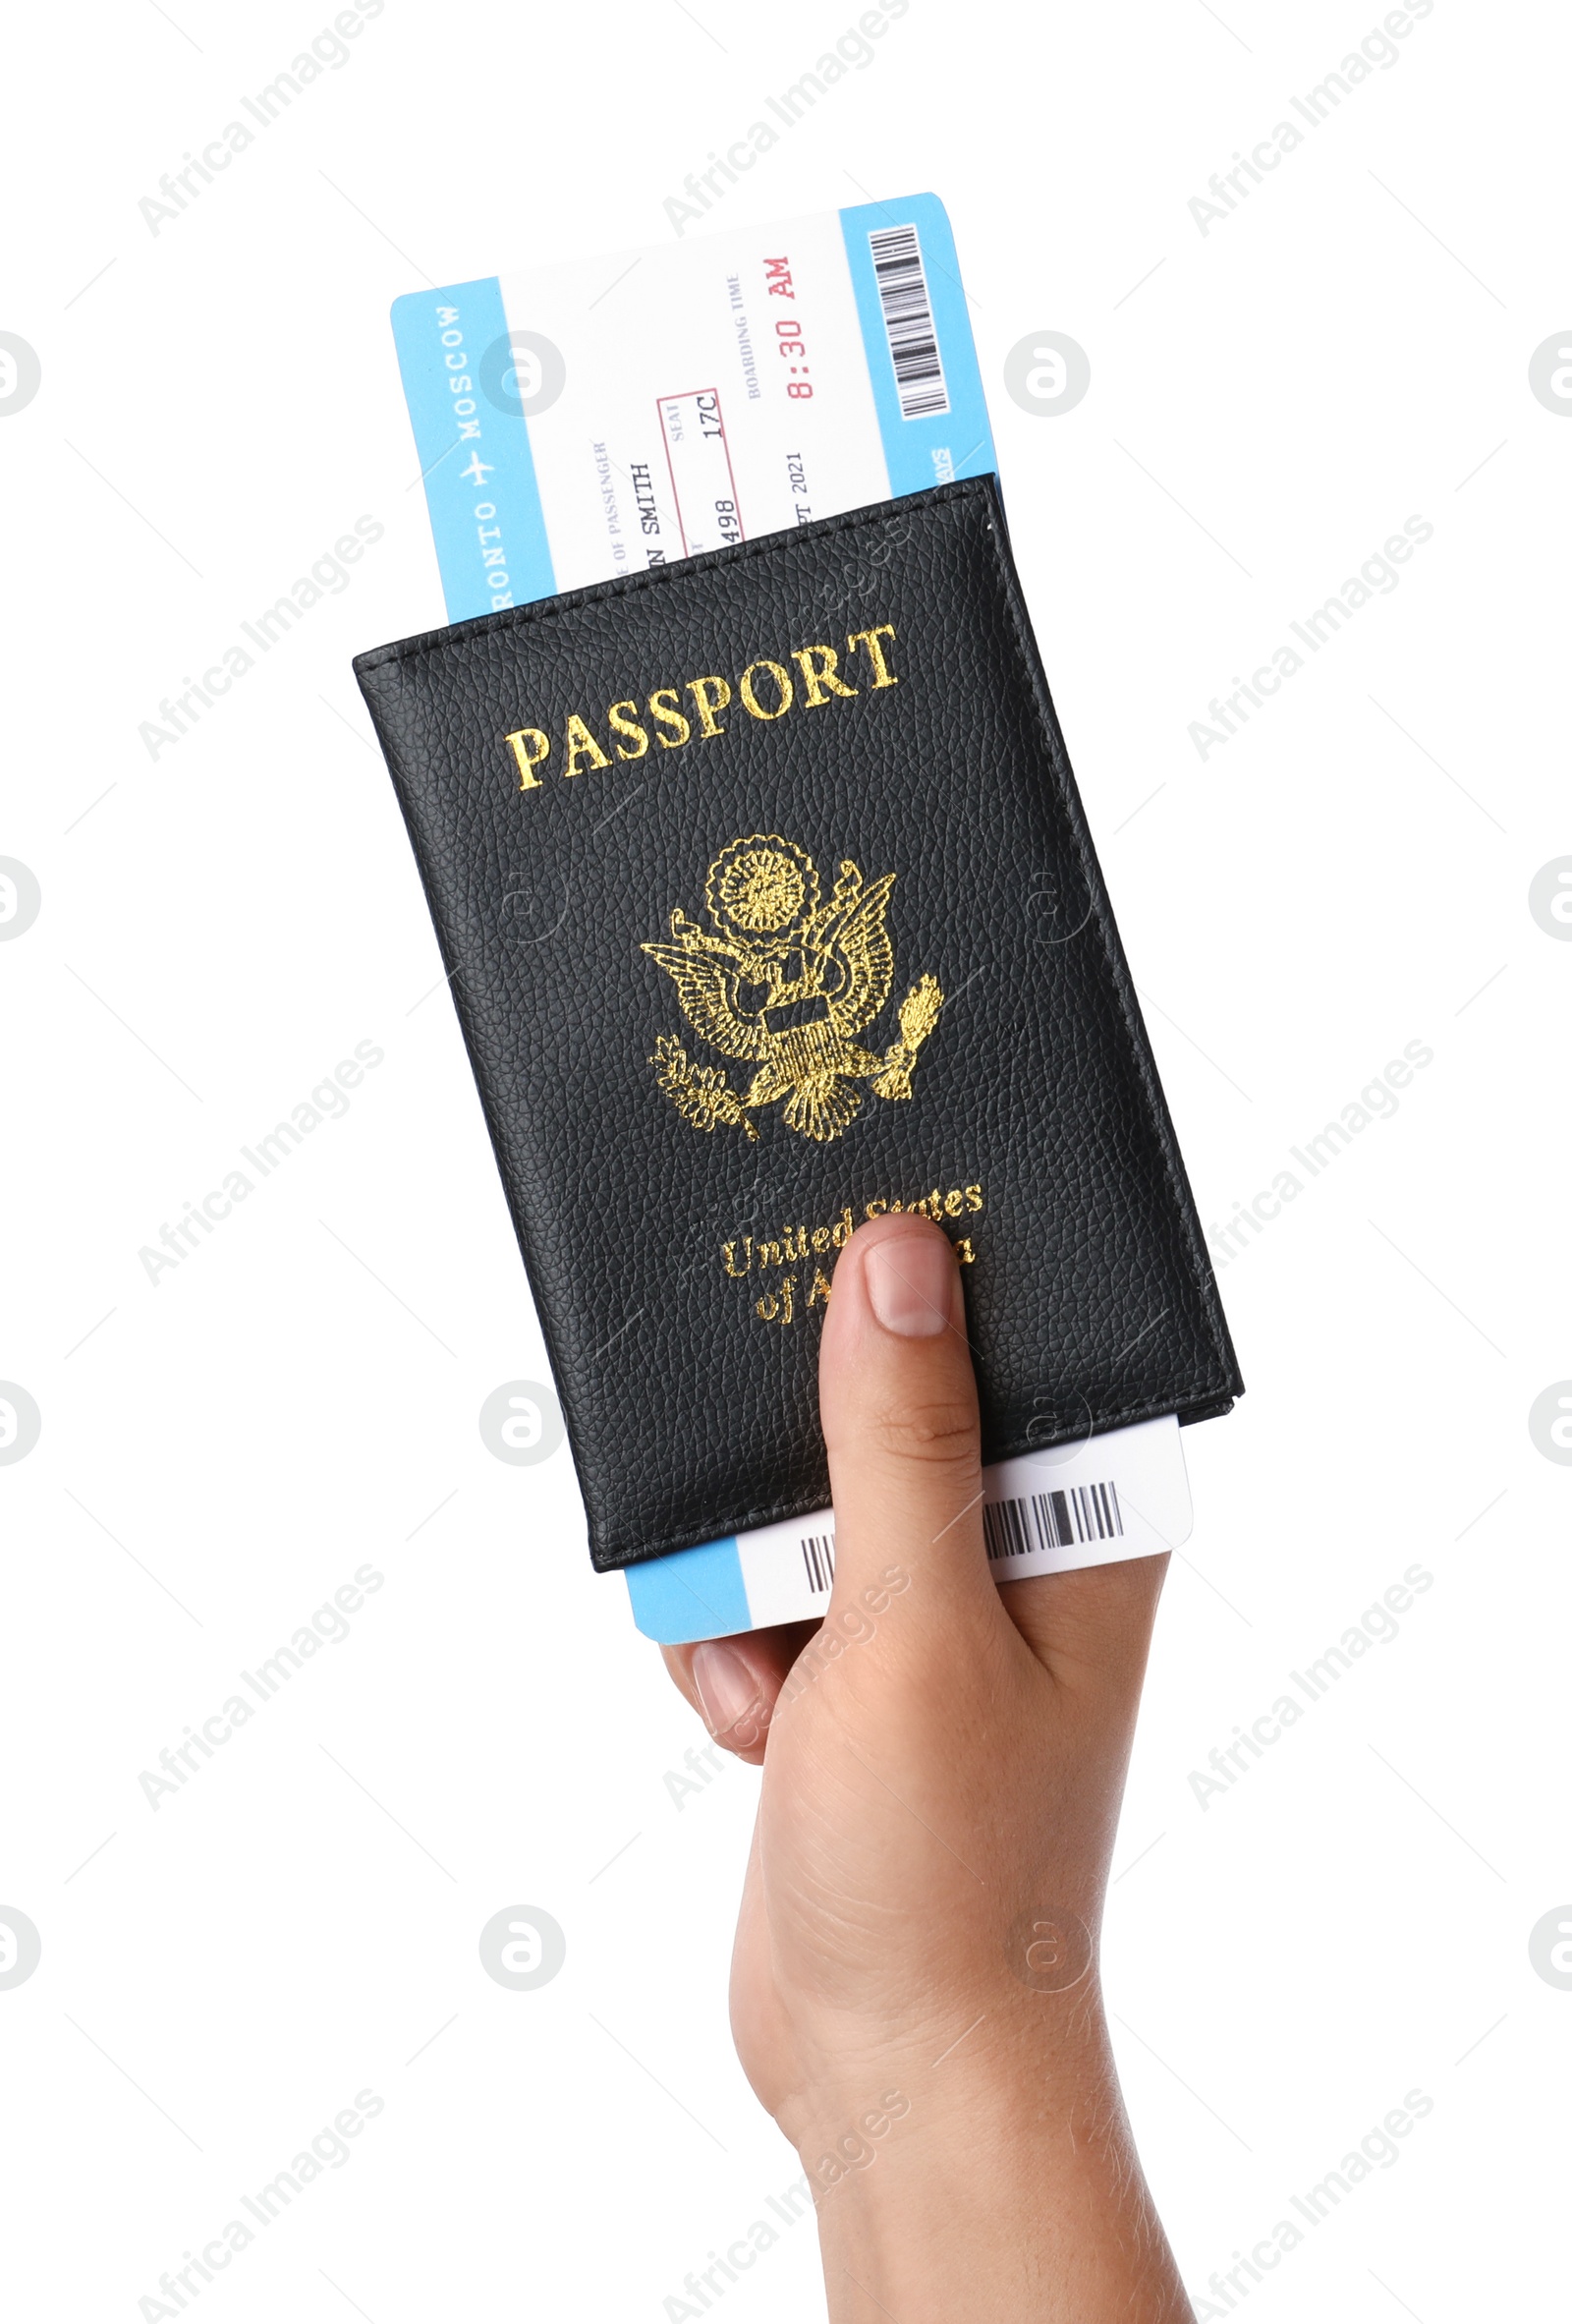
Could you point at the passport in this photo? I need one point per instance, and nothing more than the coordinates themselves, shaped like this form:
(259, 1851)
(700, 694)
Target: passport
(767, 905)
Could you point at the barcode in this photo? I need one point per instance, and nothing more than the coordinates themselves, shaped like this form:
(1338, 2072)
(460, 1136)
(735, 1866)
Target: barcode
(819, 1555)
(909, 321)
(1051, 1520)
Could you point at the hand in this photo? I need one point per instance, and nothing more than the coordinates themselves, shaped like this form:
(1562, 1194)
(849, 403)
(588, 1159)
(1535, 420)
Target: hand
(914, 1992)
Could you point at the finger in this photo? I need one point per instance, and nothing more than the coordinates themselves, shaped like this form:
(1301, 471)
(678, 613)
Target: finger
(898, 1403)
(733, 1683)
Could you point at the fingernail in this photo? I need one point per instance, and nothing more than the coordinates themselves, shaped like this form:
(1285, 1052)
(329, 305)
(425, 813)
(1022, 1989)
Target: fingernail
(725, 1685)
(911, 1281)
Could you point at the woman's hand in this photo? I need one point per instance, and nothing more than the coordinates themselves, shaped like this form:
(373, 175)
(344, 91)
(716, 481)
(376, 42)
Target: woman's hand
(914, 1991)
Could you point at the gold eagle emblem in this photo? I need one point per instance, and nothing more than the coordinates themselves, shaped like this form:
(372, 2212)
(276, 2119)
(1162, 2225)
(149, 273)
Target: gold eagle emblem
(785, 985)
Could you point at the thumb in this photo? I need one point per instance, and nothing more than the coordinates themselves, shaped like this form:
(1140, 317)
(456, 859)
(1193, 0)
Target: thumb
(898, 1404)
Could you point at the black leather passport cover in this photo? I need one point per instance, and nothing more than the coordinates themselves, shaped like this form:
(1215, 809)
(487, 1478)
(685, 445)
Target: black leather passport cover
(767, 901)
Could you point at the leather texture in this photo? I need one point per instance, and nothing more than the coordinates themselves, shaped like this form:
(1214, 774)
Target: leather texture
(686, 1134)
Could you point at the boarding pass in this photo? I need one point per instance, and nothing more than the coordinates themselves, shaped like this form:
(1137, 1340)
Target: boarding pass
(580, 422)
(1107, 1497)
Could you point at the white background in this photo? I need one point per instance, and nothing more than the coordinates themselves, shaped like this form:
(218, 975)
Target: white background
(219, 1452)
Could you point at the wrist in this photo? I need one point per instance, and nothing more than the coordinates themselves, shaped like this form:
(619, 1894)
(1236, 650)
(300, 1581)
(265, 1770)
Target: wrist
(944, 2079)
(1000, 2181)
(969, 2053)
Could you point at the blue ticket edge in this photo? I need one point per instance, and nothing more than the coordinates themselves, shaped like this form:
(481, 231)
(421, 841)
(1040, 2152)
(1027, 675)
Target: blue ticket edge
(487, 523)
(921, 452)
(477, 465)
(690, 1593)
